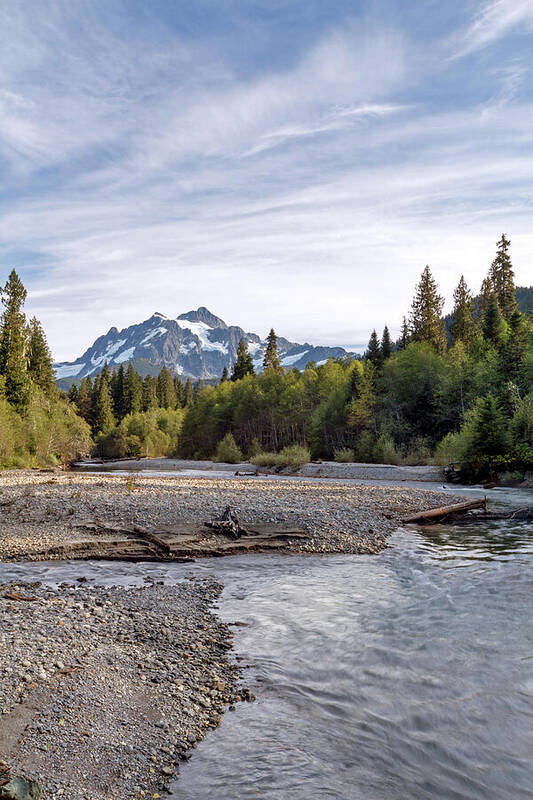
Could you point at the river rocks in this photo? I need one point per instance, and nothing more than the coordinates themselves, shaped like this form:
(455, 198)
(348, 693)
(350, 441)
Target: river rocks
(37, 516)
(114, 701)
(20, 789)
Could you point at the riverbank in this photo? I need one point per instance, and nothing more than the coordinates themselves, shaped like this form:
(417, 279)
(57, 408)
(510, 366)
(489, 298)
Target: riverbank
(44, 516)
(104, 690)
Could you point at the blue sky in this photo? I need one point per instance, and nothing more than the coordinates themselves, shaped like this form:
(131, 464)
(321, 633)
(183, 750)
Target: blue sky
(293, 164)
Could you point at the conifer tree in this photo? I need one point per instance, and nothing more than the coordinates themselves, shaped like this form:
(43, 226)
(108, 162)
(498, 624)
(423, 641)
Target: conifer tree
(271, 359)
(403, 341)
(502, 278)
(463, 327)
(84, 400)
(426, 322)
(180, 394)
(484, 296)
(104, 419)
(149, 393)
(244, 364)
(165, 389)
(14, 344)
(117, 392)
(373, 352)
(39, 357)
(73, 394)
(493, 325)
(188, 393)
(386, 344)
(225, 376)
(133, 391)
(489, 436)
(516, 345)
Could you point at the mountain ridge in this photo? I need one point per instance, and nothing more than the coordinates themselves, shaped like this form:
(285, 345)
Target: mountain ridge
(196, 344)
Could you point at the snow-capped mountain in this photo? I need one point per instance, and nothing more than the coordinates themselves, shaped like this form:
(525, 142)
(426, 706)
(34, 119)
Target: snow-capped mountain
(194, 345)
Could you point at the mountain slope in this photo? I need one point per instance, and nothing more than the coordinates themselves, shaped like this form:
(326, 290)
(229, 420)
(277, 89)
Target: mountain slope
(195, 345)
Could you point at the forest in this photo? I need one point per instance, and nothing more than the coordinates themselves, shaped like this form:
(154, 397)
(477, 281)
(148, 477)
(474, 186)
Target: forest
(455, 389)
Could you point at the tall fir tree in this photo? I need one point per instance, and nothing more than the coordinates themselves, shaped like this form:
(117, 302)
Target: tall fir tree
(271, 359)
(188, 393)
(373, 351)
(84, 400)
(244, 364)
(516, 346)
(493, 324)
(117, 392)
(426, 322)
(39, 357)
(463, 326)
(104, 419)
(386, 344)
(180, 392)
(502, 278)
(405, 336)
(149, 393)
(165, 389)
(224, 378)
(133, 391)
(14, 344)
(484, 296)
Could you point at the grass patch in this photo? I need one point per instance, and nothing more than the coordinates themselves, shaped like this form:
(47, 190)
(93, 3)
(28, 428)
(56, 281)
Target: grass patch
(292, 456)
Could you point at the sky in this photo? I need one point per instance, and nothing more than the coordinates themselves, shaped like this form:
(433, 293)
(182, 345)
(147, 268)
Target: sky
(286, 163)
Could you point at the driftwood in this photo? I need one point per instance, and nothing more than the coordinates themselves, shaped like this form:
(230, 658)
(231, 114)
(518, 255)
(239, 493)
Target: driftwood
(182, 540)
(436, 514)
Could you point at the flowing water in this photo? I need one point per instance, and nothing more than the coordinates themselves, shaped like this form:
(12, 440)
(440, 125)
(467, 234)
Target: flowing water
(403, 675)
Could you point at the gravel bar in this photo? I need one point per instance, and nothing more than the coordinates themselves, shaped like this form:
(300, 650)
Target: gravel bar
(40, 510)
(103, 691)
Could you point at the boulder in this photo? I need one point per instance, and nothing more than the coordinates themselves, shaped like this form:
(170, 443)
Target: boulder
(20, 789)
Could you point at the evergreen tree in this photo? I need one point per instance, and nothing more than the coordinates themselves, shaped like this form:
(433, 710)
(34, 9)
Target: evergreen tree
(502, 278)
(244, 364)
(271, 359)
(117, 393)
(104, 419)
(14, 344)
(426, 322)
(72, 394)
(386, 344)
(403, 341)
(180, 394)
(463, 327)
(149, 393)
(489, 429)
(84, 400)
(188, 393)
(133, 391)
(493, 325)
(515, 346)
(165, 389)
(225, 376)
(484, 296)
(373, 352)
(39, 357)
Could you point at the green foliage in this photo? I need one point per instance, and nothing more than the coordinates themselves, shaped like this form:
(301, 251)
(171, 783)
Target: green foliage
(227, 450)
(244, 364)
(14, 344)
(293, 456)
(463, 327)
(501, 276)
(146, 434)
(344, 455)
(426, 322)
(271, 359)
(39, 357)
(373, 352)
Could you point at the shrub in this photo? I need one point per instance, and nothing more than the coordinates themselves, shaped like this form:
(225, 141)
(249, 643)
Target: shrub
(384, 450)
(228, 450)
(292, 456)
(255, 449)
(344, 455)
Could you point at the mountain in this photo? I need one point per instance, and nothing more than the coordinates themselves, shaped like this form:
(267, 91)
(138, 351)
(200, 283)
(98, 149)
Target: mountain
(195, 345)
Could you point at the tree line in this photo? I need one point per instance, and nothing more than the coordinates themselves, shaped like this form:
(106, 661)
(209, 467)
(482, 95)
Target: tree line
(37, 423)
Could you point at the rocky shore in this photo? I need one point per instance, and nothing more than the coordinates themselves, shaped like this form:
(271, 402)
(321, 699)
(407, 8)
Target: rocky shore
(41, 511)
(103, 691)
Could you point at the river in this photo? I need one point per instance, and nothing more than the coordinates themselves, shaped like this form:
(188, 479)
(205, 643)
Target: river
(403, 675)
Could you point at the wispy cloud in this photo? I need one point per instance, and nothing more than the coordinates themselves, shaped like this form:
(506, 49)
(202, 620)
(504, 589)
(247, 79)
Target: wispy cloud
(495, 20)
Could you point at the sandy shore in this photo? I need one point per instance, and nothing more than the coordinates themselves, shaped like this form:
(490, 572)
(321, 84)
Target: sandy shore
(103, 691)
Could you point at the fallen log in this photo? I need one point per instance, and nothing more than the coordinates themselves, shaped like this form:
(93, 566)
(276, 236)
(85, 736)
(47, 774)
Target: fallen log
(435, 514)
